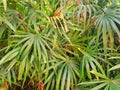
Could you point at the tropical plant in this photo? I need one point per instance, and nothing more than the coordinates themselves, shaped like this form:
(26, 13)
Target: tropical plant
(59, 44)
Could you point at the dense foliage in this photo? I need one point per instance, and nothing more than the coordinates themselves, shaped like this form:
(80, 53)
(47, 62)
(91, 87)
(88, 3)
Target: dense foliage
(60, 44)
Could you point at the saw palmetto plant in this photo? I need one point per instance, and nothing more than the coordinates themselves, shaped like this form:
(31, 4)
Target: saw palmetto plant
(59, 44)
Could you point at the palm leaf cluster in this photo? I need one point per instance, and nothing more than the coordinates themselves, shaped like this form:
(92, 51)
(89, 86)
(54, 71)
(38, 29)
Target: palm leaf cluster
(60, 44)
